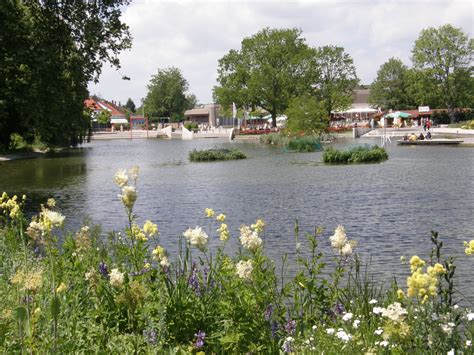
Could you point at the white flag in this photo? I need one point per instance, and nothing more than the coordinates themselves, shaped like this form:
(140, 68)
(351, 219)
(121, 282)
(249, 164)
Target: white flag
(234, 110)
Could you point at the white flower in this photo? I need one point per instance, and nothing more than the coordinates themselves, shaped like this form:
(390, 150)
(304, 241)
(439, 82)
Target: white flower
(447, 328)
(339, 239)
(121, 177)
(341, 334)
(373, 301)
(330, 331)
(164, 262)
(196, 237)
(315, 327)
(244, 269)
(128, 196)
(134, 173)
(378, 310)
(346, 249)
(150, 228)
(394, 311)
(52, 218)
(347, 316)
(384, 343)
(249, 239)
(356, 323)
(468, 343)
(470, 316)
(116, 278)
(378, 331)
(450, 352)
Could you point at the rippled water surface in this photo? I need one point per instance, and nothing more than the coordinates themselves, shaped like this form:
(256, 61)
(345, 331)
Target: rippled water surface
(388, 208)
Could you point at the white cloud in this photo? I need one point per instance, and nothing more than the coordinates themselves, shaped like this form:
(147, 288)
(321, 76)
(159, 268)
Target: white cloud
(193, 35)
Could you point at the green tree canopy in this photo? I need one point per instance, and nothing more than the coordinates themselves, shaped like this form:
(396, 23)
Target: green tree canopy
(130, 106)
(389, 90)
(445, 55)
(337, 78)
(49, 51)
(272, 67)
(307, 114)
(167, 94)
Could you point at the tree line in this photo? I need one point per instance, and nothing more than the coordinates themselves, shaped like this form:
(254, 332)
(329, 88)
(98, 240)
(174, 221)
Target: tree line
(49, 52)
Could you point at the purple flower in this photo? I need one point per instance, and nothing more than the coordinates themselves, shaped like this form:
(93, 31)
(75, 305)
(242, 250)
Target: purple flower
(274, 328)
(193, 282)
(268, 312)
(200, 336)
(339, 308)
(103, 270)
(290, 327)
(150, 334)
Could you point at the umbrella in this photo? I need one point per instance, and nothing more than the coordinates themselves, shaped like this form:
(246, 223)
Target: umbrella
(398, 114)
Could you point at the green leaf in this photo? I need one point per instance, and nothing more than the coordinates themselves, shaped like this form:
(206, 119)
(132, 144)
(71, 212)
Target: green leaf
(20, 314)
(55, 307)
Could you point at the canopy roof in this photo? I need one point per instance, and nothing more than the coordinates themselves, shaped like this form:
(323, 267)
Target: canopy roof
(118, 121)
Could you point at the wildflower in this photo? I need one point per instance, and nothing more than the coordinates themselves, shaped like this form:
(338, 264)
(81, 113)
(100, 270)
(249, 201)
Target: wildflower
(268, 312)
(164, 262)
(259, 226)
(193, 281)
(31, 280)
(422, 284)
(196, 237)
(51, 202)
(447, 328)
(451, 352)
(377, 310)
(341, 334)
(147, 266)
(220, 217)
(346, 249)
(339, 239)
(200, 336)
(81, 239)
(61, 288)
(416, 263)
(91, 276)
(121, 178)
(287, 345)
(403, 259)
(150, 228)
(373, 301)
(150, 335)
(314, 327)
(128, 196)
(116, 278)
(356, 323)
(469, 247)
(347, 317)
(470, 316)
(394, 311)
(339, 308)
(51, 219)
(436, 270)
(400, 294)
(290, 327)
(35, 230)
(379, 331)
(209, 212)
(249, 239)
(103, 270)
(159, 253)
(330, 331)
(134, 173)
(244, 269)
(223, 231)
(384, 343)
(138, 234)
(468, 343)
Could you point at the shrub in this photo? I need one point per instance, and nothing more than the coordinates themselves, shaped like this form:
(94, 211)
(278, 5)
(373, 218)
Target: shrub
(216, 154)
(309, 143)
(362, 154)
(17, 142)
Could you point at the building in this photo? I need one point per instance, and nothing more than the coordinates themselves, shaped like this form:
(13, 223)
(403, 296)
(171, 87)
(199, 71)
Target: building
(204, 115)
(360, 109)
(117, 116)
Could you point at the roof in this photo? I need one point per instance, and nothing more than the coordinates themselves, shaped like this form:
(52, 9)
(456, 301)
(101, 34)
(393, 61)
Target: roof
(197, 112)
(361, 96)
(91, 104)
(114, 110)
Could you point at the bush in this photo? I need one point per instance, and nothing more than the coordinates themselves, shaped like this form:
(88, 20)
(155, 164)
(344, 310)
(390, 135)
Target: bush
(363, 154)
(192, 126)
(308, 143)
(18, 143)
(216, 154)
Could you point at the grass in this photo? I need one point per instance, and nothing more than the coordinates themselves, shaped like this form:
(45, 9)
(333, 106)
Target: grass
(86, 292)
(308, 143)
(362, 154)
(215, 154)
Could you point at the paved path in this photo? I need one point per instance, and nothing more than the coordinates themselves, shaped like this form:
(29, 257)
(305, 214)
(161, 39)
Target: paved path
(467, 135)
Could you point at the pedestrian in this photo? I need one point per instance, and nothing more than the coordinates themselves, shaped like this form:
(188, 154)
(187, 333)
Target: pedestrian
(428, 124)
(424, 124)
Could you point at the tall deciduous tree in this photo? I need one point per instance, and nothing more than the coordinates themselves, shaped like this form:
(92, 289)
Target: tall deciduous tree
(307, 114)
(445, 54)
(130, 105)
(167, 94)
(272, 67)
(389, 90)
(49, 51)
(337, 78)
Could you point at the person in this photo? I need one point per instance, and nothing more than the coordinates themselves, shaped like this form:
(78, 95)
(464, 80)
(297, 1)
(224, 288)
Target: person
(428, 124)
(428, 135)
(421, 136)
(412, 137)
(405, 137)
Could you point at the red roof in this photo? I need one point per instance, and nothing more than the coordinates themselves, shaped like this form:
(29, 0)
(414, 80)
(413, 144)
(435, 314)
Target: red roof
(90, 103)
(99, 105)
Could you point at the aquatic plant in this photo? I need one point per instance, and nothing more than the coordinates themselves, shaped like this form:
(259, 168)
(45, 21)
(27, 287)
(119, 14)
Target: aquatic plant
(216, 154)
(361, 154)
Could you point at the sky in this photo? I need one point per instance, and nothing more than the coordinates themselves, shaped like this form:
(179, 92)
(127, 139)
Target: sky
(193, 35)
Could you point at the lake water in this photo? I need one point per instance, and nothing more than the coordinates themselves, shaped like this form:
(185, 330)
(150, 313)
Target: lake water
(389, 208)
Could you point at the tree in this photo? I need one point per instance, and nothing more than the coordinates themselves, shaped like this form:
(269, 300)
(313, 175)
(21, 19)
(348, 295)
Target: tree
(167, 94)
(445, 55)
(272, 67)
(130, 105)
(49, 51)
(307, 114)
(337, 78)
(389, 90)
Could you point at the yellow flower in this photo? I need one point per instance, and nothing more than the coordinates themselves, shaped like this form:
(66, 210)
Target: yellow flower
(469, 247)
(121, 178)
(436, 270)
(147, 266)
(221, 217)
(31, 280)
(128, 196)
(138, 234)
(223, 232)
(416, 263)
(158, 252)
(209, 212)
(134, 173)
(150, 228)
(61, 288)
(259, 226)
(400, 294)
(51, 202)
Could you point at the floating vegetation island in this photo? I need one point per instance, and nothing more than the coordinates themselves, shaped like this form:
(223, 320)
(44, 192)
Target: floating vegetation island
(362, 154)
(215, 154)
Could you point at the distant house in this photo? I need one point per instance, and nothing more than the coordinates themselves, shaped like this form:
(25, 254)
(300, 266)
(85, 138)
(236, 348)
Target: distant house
(360, 109)
(204, 115)
(117, 116)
